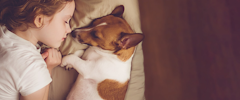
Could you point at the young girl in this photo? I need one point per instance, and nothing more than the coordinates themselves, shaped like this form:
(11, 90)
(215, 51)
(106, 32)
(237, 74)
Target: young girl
(25, 74)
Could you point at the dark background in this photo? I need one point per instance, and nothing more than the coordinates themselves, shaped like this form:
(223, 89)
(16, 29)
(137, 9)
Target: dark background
(191, 49)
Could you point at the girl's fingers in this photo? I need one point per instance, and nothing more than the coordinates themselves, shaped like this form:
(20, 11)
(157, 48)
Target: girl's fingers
(52, 54)
(49, 53)
(57, 55)
(54, 58)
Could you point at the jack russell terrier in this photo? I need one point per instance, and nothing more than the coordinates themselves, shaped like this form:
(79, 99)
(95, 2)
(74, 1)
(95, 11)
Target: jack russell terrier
(104, 69)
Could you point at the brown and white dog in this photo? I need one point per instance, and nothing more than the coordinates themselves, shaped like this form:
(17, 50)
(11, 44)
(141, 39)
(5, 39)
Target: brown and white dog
(104, 69)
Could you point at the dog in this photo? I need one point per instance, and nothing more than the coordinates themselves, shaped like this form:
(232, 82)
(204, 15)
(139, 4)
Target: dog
(104, 68)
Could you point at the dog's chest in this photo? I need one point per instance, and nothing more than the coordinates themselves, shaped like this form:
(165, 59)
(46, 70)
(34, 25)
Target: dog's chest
(107, 65)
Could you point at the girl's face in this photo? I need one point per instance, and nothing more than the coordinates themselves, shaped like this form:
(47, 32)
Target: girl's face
(56, 28)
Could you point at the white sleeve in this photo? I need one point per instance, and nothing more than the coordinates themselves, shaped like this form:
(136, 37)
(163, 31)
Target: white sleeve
(35, 77)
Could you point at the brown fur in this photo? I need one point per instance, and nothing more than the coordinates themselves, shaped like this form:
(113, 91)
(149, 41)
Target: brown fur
(112, 90)
(125, 54)
(108, 36)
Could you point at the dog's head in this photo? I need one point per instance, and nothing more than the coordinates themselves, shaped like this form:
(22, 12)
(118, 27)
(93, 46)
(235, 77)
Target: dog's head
(110, 32)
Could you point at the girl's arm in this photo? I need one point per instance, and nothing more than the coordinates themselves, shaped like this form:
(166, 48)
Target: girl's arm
(41, 94)
(52, 58)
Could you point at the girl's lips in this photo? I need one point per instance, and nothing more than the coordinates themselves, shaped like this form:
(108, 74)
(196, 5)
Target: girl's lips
(64, 38)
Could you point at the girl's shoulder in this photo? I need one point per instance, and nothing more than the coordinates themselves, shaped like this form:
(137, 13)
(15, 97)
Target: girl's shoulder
(16, 51)
(11, 43)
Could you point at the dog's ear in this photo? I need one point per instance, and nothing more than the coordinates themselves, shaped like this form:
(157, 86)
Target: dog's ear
(118, 11)
(128, 40)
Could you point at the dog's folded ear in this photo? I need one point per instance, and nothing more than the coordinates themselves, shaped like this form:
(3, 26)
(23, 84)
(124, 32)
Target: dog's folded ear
(128, 40)
(118, 11)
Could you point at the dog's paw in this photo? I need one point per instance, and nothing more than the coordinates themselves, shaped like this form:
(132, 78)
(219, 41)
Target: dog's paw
(68, 67)
(67, 61)
(63, 63)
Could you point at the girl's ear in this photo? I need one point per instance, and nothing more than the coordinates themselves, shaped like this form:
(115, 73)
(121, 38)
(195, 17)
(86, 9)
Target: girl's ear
(38, 21)
(118, 11)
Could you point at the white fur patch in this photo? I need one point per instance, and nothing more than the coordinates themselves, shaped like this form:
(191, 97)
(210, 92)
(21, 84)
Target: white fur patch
(104, 23)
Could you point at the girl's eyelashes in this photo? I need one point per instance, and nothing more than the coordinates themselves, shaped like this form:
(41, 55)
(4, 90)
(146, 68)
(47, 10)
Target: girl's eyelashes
(66, 22)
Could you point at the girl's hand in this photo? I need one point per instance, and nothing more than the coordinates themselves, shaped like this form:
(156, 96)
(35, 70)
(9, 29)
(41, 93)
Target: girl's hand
(52, 58)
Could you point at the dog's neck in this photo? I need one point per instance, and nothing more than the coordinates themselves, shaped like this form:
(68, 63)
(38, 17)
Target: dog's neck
(125, 54)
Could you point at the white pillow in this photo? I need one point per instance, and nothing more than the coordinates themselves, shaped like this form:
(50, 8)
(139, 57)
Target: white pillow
(87, 10)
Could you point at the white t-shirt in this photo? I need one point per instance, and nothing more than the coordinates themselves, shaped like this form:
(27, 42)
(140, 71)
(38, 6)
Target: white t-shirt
(22, 68)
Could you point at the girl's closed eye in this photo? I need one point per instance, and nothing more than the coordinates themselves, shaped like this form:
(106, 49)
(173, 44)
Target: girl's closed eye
(66, 22)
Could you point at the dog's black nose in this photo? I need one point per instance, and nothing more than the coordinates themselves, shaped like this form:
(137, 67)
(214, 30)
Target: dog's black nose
(73, 33)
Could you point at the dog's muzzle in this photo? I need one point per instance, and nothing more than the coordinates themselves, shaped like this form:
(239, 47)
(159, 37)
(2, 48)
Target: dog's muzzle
(73, 34)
